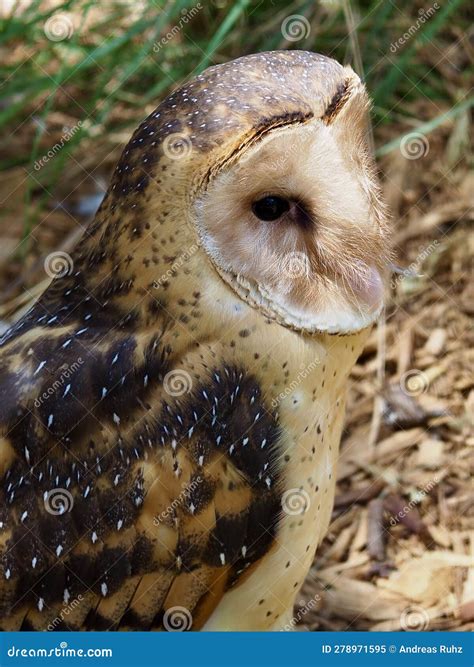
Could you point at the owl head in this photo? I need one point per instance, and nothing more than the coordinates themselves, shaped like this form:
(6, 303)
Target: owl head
(263, 162)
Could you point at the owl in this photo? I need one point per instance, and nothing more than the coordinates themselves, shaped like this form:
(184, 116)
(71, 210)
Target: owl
(171, 406)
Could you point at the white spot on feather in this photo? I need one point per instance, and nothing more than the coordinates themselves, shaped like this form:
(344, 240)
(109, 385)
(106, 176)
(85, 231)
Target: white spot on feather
(40, 366)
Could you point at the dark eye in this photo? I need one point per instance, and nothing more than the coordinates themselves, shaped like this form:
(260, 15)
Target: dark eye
(270, 208)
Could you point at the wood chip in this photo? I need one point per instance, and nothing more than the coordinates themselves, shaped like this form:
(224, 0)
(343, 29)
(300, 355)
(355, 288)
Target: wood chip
(436, 342)
(376, 530)
(430, 453)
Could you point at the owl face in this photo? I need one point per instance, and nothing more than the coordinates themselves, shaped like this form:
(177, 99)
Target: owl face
(295, 225)
(258, 170)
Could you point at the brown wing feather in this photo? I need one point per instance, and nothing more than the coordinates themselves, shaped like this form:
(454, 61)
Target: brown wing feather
(119, 500)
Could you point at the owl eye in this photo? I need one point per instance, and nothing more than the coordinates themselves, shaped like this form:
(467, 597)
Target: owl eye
(270, 208)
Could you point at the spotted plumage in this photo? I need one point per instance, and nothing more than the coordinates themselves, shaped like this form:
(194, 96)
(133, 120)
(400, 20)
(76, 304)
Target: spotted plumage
(161, 400)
